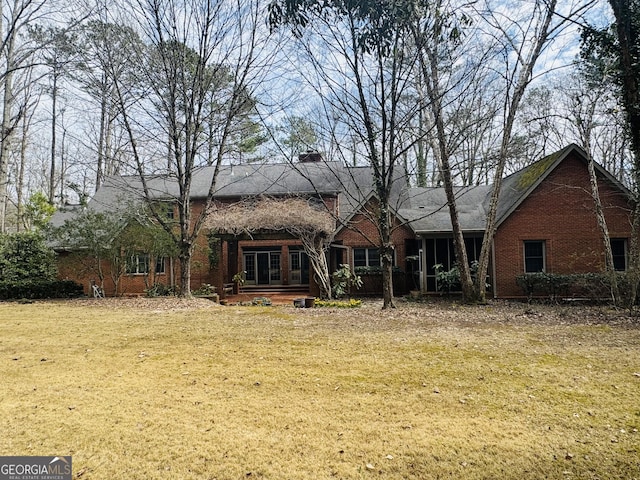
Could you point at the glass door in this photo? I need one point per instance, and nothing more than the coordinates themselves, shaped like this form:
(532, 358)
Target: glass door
(263, 268)
(298, 268)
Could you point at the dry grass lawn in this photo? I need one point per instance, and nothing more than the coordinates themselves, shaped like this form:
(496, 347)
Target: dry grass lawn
(165, 389)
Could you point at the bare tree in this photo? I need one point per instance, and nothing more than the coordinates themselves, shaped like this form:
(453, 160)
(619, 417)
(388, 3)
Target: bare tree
(618, 48)
(103, 52)
(17, 52)
(363, 70)
(191, 45)
(518, 44)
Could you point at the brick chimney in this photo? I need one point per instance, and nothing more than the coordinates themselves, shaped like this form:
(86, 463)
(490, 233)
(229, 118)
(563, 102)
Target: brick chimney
(310, 157)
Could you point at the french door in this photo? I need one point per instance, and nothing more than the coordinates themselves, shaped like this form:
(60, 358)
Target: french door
(263, 268)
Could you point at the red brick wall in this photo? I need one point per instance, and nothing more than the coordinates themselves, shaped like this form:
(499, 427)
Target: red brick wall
(364, 234)
(560, 211)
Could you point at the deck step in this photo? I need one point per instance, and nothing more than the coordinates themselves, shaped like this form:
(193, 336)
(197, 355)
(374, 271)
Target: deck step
(278, 289)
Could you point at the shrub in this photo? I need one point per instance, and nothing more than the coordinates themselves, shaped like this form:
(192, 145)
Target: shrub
(553, 285)
(160, 290)
(344, 279)
(592, 286)
(25, 257)
(449, 280)
(205, 289)
(39, 289)
(338, 303)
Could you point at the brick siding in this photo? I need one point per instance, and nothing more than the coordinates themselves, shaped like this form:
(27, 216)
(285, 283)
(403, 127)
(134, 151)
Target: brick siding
(560, 212)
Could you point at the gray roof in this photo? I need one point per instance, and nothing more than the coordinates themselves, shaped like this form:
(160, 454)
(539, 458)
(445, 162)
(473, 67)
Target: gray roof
(273, 179)
(424, 209)
(279, 179)
(427, 211)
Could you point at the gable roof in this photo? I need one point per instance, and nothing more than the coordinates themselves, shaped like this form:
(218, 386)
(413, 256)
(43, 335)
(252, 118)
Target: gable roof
(118, 193)
(519, 185)
(426, 210)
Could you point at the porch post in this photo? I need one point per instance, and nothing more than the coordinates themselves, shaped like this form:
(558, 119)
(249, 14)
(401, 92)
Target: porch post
(422, 265)
(284, 265)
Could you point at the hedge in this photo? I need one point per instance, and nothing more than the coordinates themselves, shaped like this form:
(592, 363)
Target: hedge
(594, 286)
(38, 289)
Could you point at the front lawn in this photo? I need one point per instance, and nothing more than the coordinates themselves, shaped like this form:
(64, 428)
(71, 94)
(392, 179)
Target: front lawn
(164, 389)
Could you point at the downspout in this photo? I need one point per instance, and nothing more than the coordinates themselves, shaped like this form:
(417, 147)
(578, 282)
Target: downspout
(494, 283)
(422, 265)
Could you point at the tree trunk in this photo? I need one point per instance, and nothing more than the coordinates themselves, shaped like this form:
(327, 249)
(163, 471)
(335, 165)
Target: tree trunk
(21, 169)
(604, 231)
(100, 167)
(430, 70)
(315, 247)
(386, 259)
(628, 40)
(511, 110)
(54, 114)
(634, 258)
(185, 269)
(6, 134)
(466, 282)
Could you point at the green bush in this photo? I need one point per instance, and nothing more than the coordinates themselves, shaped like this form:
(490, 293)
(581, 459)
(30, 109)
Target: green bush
(553, 285)
(159, 289)
(343, 280)
(39, 289)
(592, 286)
(205, 289)
(338, 303)
(24, 257)
(447, 280)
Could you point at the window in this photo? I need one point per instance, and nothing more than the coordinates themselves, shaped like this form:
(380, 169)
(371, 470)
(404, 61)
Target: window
(274, 267)
(366, 257)
(138, 264)
(160, 265)
(298, 267)
(250, 268)
(619, 251)
(534, 256)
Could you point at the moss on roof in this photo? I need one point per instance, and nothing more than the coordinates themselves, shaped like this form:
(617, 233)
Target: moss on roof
(533, 172)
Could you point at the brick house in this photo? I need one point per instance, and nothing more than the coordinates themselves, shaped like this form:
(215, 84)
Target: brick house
(546, 222)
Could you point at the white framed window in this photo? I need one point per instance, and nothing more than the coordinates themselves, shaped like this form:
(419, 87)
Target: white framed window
(140, 264)
(366, 257)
